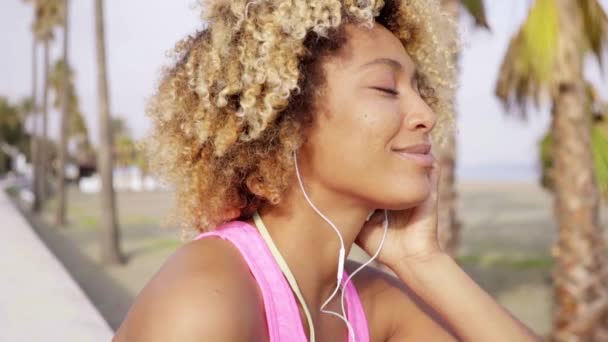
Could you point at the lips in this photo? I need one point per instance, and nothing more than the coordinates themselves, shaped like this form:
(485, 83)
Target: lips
(420, 154)
(418, 148)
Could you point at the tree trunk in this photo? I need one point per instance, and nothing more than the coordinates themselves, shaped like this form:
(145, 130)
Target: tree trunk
(580, 275)
(60, 218)
(34, 140)
(43, 149)
(110, 237)
(448, 223)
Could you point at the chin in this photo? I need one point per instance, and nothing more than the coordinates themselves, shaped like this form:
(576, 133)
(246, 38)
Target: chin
(406, 195)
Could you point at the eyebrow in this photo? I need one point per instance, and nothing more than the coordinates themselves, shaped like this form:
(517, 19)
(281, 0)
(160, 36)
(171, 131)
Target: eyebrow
(396, 65)
(388, 61)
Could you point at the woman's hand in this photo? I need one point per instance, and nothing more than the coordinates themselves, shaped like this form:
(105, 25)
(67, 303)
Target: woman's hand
(412, 233)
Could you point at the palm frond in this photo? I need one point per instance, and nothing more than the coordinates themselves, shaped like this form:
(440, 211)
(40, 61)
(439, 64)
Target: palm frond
(595, 26)
(528, 64)
(48, 14)
(76, 124)
(477, 10)
(599, 145)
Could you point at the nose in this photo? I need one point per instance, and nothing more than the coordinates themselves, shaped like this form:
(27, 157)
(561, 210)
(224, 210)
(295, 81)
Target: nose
(420, 116)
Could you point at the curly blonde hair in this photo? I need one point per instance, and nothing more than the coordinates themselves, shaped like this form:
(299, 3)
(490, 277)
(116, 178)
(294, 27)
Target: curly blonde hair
(237, 100)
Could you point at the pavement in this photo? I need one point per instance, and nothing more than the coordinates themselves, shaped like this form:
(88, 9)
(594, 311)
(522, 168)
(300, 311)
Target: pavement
(39, 301)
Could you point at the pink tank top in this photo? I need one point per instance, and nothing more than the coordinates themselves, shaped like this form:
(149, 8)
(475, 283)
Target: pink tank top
(282, 315)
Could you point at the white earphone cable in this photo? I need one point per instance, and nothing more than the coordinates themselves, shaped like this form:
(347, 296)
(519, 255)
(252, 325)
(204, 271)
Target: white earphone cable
(385, 227)
(341, 258)
(342, 253)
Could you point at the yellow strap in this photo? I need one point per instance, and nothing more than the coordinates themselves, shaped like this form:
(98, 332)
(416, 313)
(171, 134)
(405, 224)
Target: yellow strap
(283, 265)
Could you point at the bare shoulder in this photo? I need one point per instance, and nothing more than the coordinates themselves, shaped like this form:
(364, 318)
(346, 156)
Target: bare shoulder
(203, 292)
(393, 311)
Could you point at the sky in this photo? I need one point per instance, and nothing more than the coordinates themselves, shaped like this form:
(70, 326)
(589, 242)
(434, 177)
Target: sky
(492, 144)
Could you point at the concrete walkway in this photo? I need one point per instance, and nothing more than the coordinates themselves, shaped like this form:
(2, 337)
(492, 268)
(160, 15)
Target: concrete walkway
(39, 301)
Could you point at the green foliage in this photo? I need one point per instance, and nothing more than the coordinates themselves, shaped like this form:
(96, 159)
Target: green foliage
(540, 36)
(546, 161)
(48, 14)
(11, 123)
(119, 127)
(12, 133)
(126, 151)
(529, 65)
(26, 107)
(76, 124)
(13, 191)
(77, 128)
(477, 10)
(599, 143)
(595, 22)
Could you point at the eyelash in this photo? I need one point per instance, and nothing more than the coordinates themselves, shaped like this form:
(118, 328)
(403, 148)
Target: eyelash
(394, 92)
(388, 91)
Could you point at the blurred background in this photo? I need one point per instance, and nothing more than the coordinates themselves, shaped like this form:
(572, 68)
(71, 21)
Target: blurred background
(522, 196)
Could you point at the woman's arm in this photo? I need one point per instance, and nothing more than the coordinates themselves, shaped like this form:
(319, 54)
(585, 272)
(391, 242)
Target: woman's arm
(412, 250)
(469, 310)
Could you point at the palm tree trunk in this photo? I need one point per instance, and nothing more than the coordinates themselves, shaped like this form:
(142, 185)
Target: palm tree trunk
(448, 223)
(34, 140)
(43, 157)
(110, 239)
(580, 275)
(60, 218)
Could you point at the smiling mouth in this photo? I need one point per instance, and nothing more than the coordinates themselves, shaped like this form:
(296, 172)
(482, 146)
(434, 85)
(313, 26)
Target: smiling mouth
(423, 159)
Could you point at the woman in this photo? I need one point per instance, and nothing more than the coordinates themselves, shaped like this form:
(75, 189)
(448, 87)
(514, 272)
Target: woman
(282, 126)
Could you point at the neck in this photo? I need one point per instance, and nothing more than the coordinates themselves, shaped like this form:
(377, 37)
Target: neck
(309, 244)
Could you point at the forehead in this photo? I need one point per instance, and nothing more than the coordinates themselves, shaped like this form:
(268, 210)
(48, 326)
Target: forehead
(364, 44)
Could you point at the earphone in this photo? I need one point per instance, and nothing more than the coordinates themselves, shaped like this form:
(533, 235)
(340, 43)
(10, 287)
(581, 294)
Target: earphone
(341, 256)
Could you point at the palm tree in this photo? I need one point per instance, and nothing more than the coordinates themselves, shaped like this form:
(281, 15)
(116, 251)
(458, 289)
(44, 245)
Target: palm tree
(61, 82)
(110, 239)
(546, 57)
(448, 222)
(75, 124)
(47, 15)
(475, 8)
(42, 150)
(60, 218)
(34, 143)
(26, 108)
(34, 121)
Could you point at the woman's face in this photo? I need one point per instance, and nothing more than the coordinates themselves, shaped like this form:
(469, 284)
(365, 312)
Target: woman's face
(368, 111)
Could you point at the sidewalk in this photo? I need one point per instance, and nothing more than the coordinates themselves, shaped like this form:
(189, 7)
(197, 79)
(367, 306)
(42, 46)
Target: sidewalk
(39, 301)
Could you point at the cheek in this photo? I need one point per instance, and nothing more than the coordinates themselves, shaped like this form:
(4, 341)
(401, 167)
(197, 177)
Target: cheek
(361, 133)
(374, 124)
(379, 117)
(355, 158)
(387, 178)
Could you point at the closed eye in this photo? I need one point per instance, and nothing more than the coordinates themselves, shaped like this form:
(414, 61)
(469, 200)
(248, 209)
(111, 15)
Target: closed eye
(386, 90)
